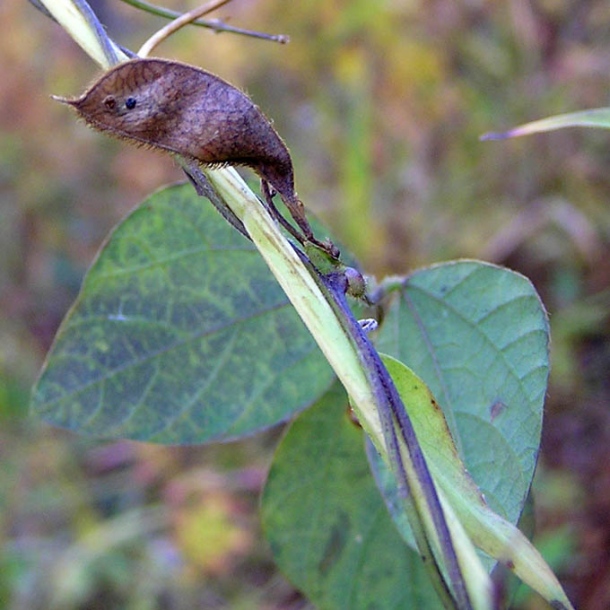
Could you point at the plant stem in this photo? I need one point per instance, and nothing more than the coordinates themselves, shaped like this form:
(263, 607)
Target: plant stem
(178, 23)
(213, 24)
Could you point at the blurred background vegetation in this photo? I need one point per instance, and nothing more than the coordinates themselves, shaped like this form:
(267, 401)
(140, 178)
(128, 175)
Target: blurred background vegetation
(381, 103)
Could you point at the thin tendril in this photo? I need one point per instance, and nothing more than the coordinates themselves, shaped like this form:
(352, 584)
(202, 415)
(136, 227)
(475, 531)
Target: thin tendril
(213, 24)
(178, 23)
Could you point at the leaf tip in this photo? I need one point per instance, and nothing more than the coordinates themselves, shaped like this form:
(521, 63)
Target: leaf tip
(497, 135)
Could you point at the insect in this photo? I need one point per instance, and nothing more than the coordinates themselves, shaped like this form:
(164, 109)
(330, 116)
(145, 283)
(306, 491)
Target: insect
(185, 110)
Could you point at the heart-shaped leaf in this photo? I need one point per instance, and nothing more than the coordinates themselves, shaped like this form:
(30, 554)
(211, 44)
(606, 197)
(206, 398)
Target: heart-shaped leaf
(477, 335)
(327, 525)
(180, 335)
(480, 335)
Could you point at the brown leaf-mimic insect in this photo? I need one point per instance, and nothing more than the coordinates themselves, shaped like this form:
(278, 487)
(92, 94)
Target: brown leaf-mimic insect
(183, 109)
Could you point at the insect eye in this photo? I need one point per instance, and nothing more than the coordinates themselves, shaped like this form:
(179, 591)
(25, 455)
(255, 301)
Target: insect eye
(110, 102)
(130, 103)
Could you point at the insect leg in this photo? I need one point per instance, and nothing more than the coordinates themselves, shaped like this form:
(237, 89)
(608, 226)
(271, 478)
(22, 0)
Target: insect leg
(297, 211)
(268, 194)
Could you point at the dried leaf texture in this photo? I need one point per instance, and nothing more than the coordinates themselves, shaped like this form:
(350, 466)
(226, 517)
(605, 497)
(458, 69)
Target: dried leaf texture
(183, 109)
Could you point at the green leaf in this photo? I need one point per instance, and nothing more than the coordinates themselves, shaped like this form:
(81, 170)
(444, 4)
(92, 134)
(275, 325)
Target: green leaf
(446, 317)
(180, 335)
(327, 525)
(597, 117)
(492, 534)
(437, 444)
(477, 335)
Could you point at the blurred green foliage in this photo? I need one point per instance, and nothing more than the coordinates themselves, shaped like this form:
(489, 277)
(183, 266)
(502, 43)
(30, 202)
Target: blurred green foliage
(381, 103)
